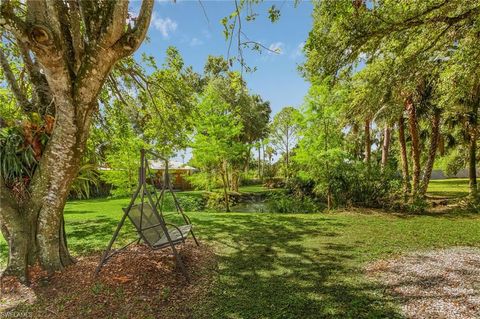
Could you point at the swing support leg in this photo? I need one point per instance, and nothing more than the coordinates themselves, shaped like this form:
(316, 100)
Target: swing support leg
(105, 256)
(110, 244)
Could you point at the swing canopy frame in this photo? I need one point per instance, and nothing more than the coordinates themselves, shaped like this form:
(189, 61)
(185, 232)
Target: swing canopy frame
(148, 218)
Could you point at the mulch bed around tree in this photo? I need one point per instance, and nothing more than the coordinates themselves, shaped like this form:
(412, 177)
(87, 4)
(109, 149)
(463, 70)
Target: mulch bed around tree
(138, 283)
(436, 284)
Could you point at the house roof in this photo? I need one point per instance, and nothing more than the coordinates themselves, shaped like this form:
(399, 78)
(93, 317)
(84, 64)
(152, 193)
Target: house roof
(171, 165)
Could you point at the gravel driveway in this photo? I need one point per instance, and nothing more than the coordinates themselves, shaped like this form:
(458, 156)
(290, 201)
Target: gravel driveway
(434, 284)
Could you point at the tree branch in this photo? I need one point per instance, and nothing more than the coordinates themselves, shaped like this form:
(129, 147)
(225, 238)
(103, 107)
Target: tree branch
(131, 40)
(21, 98)
(114, 23)
(11, 22)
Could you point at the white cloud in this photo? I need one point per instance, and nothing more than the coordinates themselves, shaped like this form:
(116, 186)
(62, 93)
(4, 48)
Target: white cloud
(298, 51)
(206, 34)
(195, 42)
(278, 47)
(165, 26)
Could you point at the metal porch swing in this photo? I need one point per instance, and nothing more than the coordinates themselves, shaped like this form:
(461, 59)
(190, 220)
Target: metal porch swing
(148, 218)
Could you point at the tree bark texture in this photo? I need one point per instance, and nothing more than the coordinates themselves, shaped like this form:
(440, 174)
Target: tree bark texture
(385, 145)
(403, 156)
(368, 142)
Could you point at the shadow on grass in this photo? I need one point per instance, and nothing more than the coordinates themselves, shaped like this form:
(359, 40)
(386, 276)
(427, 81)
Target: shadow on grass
(273, 269)
(90, 236)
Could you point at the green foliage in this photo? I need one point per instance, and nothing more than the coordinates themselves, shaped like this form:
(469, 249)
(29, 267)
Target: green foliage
(218, 129)
(123, 163)
(191, 203)
(16, 159)
(451, 163)
(290, 204)
(416, 206)
(122, 158)
(88, 178)
(216, 201)
(320, 150)
(359, 184)
(204, 181)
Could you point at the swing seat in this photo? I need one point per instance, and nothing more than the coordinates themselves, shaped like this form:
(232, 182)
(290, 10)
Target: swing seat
(149, 227)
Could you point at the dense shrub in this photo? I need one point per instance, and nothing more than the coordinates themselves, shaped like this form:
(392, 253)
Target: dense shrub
(351, 184)
(363, 185)
(192, 204)
(216, 201)
(188, 203)
(289, 203)
(274, 182)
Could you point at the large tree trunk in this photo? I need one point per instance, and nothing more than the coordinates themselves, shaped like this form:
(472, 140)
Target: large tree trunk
(16, 232)
(386, 145)
(403, 156)
(58, 168)
(368, 142)
(68, 49)
(415, 137)
(432, 152)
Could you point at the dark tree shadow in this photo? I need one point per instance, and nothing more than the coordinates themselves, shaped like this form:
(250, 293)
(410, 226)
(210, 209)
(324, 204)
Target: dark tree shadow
(269, 271)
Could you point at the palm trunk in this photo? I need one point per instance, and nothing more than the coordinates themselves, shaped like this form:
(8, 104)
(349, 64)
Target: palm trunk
(368, 142)
(260, 164)
(472, 150)
(432, 152)
(385, 146)
(403, 156)
(414, 135)
(441, 145)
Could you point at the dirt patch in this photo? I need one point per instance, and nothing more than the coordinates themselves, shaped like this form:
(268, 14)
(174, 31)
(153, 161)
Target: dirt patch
(435, 284)
(138, 283)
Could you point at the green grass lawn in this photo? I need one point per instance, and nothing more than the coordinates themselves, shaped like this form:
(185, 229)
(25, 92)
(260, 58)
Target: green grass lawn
(449, 188)
(291, 266)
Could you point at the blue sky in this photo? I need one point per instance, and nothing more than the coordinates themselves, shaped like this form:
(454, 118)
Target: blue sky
(183, 24)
